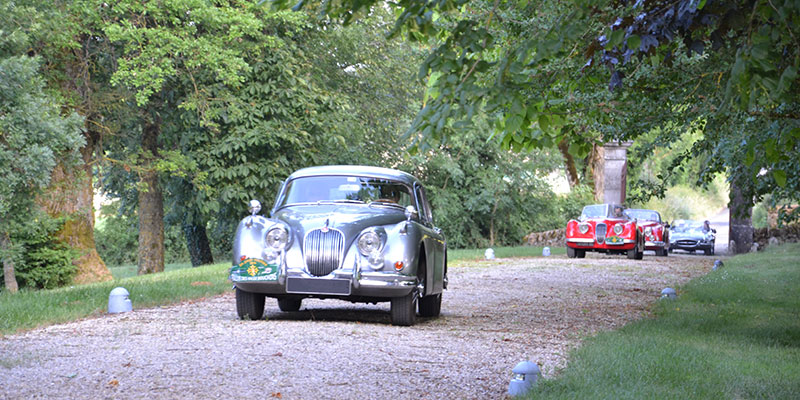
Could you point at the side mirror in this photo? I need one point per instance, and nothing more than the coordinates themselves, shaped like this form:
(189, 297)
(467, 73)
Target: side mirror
(411, 213)
(255, 207)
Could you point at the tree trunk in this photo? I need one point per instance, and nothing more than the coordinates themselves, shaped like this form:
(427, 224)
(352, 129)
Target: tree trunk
(9, 276)
(197, 244)
(151, 203)
(741, 226)
(70, 194)
(569, 161)
(596, 164)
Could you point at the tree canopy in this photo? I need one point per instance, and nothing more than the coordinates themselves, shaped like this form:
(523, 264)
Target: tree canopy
(581, 72)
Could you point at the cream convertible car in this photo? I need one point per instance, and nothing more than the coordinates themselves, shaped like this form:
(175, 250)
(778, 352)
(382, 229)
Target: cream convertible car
(355, 233)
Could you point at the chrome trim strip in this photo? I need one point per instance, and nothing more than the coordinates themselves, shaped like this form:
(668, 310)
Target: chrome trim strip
(657, 243)
(580, 240)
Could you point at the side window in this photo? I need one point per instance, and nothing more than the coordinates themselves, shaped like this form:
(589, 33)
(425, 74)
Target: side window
(422, 205)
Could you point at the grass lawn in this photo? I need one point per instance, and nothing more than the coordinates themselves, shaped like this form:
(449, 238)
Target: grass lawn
(732, 334)
(30, 309)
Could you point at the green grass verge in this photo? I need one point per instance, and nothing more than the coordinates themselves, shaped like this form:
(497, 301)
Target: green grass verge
(29, 309)
(731, 334)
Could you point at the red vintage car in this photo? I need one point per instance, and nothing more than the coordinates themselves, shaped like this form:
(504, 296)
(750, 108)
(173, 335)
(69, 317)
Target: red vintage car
(605, 228)
(656, 231)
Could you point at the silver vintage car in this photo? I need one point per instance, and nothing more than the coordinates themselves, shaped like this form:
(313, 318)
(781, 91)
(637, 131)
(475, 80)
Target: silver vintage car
(355, 233)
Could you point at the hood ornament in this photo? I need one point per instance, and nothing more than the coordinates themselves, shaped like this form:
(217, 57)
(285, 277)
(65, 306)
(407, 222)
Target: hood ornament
(326, 228)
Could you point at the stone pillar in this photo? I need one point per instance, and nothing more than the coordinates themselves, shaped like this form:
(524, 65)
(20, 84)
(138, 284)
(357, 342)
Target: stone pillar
(615, 171)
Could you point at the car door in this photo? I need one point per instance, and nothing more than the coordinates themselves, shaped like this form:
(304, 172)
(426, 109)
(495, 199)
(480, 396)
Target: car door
(434, 241)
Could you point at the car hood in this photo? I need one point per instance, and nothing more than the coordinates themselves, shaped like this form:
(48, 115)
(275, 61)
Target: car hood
(351, 219)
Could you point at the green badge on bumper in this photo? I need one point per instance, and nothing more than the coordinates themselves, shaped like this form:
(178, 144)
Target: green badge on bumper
(614, 240)
(254, 269)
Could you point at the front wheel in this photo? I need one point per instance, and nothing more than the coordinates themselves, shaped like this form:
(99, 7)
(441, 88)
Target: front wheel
(404, 310)
(430, 306)
(249, 305)
(571, 253)
(289, 304)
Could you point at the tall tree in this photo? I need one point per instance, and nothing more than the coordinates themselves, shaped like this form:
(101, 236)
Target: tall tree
(159, 44)
(33, 136)
(71, 60)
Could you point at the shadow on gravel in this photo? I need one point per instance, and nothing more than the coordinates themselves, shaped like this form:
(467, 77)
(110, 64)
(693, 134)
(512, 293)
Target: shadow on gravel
(360, 315)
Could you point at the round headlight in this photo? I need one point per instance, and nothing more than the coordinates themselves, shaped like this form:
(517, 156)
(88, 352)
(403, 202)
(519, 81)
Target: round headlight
(369, 243)
(648, 230)
(618, 229)
(583, 228)
(277, 238)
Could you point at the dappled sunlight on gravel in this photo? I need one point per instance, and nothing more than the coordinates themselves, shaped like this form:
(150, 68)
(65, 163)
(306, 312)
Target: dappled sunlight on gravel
(495, 314)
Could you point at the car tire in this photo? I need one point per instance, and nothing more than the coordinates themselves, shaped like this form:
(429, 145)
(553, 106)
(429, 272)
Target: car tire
(289, 304)
(404, 310)
(430, 306)
(249, 305)
(707, 252)
(571, 253)
(580, 253)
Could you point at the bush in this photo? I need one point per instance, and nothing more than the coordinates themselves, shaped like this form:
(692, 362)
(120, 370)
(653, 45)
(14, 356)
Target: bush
(40, 260)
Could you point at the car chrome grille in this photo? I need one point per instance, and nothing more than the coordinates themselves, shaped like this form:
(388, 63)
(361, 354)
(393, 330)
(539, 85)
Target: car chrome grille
(686, 242)
(323, 251)
(600, 233)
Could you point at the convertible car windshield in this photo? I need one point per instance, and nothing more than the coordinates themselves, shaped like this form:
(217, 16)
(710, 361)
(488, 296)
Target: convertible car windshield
(687, 226)
(317, 189)
(644, 215)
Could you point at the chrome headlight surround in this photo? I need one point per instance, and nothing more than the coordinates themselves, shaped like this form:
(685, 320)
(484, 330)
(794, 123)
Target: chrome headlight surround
(370, 244)
(583, 227)
(648, 233)
(277, 238)
(617, 229)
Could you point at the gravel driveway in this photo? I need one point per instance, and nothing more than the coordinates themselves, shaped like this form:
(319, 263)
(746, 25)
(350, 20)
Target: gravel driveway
(495, 314)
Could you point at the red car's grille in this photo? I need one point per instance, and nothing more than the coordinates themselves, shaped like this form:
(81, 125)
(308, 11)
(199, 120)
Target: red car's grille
(600, 232)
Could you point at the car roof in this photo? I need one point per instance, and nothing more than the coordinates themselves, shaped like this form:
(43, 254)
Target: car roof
(356, 170)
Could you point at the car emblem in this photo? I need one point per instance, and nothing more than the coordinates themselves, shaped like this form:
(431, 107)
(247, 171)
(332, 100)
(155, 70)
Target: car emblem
(325, 228)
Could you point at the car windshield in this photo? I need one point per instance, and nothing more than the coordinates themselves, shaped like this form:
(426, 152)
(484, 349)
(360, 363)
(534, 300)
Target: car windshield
(594, 211)
(644, 215)
(684, 226)
(348, 189)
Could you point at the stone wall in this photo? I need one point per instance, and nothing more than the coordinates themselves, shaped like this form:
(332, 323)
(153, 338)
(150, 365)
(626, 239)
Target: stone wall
(767, 236)
(556, 237)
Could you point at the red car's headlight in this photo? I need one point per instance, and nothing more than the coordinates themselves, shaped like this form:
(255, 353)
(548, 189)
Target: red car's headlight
(583, 228)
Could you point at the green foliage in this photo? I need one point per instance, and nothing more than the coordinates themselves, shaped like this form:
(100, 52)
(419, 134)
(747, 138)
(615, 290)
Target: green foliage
(117, 241)
(730, 334)
(41, 262)
(727, 69)
(482, 193)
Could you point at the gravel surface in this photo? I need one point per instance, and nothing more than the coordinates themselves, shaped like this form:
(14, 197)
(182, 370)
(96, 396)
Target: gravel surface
(495, 314)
